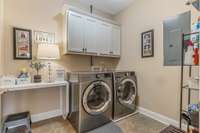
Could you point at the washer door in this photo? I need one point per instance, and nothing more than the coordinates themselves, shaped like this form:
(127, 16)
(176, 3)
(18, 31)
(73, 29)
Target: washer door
(97, 98)
(127, 92)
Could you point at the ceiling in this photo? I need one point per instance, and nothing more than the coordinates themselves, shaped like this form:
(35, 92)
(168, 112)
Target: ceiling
(108, 6)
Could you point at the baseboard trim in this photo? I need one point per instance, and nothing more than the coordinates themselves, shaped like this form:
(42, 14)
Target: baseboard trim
(159, 117)
(46, 115)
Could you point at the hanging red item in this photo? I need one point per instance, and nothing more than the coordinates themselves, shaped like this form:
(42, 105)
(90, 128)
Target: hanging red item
(196, 56)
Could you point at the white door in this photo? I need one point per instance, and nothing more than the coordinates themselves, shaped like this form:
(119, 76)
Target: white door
(104, 35)
(90, 35)
(116, 41)
(75, 32)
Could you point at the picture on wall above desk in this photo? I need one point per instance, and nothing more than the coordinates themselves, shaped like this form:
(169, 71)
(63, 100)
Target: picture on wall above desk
(41, 37)
(22, 39)
(147, 44)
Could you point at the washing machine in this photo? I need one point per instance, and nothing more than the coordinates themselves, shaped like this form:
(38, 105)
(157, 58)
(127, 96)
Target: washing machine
(125, 94)
(91, 100)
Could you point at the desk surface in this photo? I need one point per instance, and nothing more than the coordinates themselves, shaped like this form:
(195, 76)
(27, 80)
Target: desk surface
(21, 87)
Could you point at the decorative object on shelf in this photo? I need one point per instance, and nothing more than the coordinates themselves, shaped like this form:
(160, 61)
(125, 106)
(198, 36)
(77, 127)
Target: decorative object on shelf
(23, 77)
(193, 108)
(37, 65)
(7, 80)
(195, 28)
(48, 52)
(44, 37)
(60, 75)
(22, 44)
(189, 52)
(196, 56)
(147, 44)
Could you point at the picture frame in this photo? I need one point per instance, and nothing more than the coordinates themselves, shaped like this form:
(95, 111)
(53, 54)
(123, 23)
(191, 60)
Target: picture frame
(147, 47)
(60, 75)
(22, 41)
(41, 37)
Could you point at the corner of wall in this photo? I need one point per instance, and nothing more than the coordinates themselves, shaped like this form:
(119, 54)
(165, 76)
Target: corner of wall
(1, 36)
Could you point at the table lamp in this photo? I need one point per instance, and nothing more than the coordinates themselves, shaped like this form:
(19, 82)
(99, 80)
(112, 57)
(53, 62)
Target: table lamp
(48, 52)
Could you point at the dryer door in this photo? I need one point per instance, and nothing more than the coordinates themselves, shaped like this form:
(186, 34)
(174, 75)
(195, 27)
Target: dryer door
(126, 93)
(97, 98)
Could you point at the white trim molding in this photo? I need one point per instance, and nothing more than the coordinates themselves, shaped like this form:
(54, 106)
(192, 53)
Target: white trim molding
(159, 117)
(46, 115)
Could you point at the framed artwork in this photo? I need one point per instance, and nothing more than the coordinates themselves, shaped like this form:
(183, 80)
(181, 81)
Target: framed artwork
(147, 44)
(41, 37)
(22, 44)
(60, 75)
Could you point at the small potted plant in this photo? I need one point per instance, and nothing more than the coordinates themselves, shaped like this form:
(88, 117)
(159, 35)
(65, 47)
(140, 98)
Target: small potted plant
(37, 66)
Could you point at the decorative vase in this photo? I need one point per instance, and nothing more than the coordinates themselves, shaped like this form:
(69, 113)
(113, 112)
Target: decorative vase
(37, 78)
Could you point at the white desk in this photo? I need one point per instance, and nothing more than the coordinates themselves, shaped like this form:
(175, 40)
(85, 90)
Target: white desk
(64, 93)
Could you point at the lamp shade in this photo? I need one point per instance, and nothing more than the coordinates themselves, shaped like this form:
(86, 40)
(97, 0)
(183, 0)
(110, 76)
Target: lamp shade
(48, 52)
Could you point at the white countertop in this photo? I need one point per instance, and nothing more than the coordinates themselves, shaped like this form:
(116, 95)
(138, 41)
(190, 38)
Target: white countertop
(21, 87)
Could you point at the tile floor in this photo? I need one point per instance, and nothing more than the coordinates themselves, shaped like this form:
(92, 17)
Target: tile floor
(135, 124)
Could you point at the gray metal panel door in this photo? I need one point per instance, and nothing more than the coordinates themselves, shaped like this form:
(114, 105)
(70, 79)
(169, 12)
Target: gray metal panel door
(173, 30)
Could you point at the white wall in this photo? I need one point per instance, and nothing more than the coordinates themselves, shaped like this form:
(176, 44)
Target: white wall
(159, 86)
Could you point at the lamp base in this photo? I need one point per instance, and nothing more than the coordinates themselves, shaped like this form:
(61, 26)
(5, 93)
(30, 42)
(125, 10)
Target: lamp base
(49, 72)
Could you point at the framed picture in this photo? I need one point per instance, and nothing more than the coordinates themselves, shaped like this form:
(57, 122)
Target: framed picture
(22, 44)
(60, 75)
(41, 37)
(147, 44)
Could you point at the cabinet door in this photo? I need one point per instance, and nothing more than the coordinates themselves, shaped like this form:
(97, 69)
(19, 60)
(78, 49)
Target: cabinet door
(75, 32)
(116, 41)
(104, 37)
(90, 35)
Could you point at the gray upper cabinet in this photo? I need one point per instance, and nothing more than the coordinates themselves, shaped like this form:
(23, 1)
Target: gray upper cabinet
(75, 32)
(173, 30)
(116, 38)
(88, 35)
(104, 37)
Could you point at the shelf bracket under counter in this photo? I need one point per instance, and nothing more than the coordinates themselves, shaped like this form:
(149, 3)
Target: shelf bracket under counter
(63, 87)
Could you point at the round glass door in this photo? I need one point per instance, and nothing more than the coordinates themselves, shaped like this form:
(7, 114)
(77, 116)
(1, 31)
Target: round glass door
(127, 92)
(97, 98)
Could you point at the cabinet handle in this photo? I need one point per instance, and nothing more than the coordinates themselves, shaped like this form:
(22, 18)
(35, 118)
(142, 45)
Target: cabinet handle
(75, 15)
(83, 49)
(91, 20)
(111, 52)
